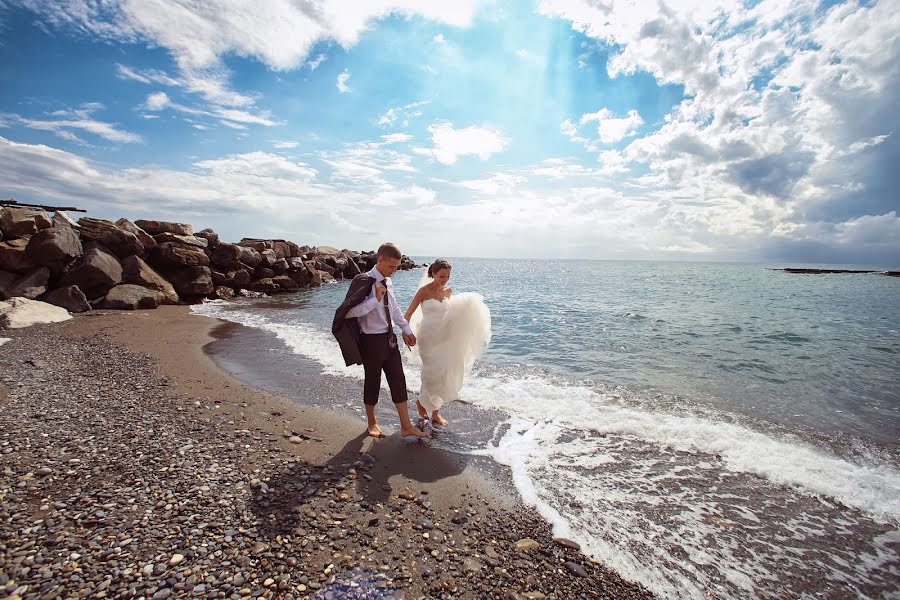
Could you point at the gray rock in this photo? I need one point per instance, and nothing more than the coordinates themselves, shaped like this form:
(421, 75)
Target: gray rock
(188, 240)
(122, 243)
(211, 237)
(226, 256)
(169, 254)
(14, 258)
(575, 569)
(191, 282)
(250, 256)
(95, 273)
(32, 285)
(128, 296)
(285, 283)
(136, 271)
(145, 238)
(21, 222)
(157, 227)
(69, 297)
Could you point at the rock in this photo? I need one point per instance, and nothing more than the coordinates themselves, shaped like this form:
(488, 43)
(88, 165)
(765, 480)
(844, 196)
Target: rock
(54, 244)
(282, 248)
(237, 279)
(351, 269)
(176, 559)
(145, 238)
(281, 267)
(269, 258)
(526, 545)
(472, 565)
(264, 286)
(575, 569)
(301, 275)
(13, 257)
(22, 312)
(61, 219)
(170, 254)
(211, 237)
(325, 277)
(188, 240)
(192, 282)
(226, 256)
(224, 293)
(250, 256)
(326, 250)
(567, 543)
(258, 245)
(95, 273)
(31, 285)
(136, 271)
(157, 227)
(128, 296)
(285, 283)
(122, 243)
(7, 279)
(264, 273)
(21, 222)
(69, 297)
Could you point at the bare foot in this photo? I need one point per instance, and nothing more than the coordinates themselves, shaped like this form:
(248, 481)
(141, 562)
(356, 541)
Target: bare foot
(438, 420)
(412, 431)
(422, 412)
(375, 431)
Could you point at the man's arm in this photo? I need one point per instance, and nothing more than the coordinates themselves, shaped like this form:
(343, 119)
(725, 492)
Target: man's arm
(367, 304)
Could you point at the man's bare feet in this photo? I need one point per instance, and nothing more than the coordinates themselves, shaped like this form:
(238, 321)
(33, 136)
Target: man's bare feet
(438, 420)
(412, 431)
(422, 412)
(375, 431)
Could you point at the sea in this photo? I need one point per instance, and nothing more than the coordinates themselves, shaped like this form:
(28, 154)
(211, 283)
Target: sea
(711, 430)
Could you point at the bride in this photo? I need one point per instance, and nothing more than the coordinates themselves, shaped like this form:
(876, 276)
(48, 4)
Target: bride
(451, 333)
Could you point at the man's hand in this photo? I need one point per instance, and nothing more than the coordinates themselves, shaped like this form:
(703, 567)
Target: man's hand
(410, 339)
(380, 291)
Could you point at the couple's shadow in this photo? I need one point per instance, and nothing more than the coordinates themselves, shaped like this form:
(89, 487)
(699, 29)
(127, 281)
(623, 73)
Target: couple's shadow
(365, 464)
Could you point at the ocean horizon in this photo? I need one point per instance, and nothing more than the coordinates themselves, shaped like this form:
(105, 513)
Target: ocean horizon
(712, 426)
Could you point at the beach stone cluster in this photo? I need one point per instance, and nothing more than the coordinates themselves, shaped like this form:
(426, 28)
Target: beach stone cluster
(112, 485)
(95, 263)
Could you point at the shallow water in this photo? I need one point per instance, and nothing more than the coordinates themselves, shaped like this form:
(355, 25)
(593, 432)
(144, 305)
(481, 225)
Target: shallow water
(703, 428)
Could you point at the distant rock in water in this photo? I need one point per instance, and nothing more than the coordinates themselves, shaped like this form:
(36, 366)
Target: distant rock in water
(803, 271)
(128, 265)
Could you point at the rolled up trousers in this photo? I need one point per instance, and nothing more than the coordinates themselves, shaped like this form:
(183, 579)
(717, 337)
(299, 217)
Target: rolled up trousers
(378, 356)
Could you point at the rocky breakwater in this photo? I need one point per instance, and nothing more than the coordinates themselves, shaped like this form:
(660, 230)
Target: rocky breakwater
(95, 263)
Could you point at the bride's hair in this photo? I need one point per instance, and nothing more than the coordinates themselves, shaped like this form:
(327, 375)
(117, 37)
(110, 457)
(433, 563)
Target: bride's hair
(438, 265)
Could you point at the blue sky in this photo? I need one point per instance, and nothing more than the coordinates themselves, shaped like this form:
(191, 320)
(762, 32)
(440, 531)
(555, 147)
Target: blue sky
(560, 128)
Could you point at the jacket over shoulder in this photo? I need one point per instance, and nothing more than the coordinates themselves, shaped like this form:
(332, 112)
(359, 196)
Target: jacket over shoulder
(345, 330)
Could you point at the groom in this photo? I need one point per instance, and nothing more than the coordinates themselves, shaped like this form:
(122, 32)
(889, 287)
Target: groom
(364, 327)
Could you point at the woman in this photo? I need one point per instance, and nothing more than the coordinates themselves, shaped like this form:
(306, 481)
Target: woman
(452, 332)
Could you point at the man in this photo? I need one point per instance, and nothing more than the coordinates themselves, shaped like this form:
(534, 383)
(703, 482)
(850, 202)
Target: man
(364, 327)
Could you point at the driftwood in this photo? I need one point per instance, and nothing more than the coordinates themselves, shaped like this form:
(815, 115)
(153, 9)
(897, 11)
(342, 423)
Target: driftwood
(16, 204)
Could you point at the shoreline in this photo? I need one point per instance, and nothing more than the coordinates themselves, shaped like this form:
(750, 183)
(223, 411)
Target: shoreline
(295, 500)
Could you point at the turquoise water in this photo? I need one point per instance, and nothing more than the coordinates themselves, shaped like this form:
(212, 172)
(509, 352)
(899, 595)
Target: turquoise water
(707, 429)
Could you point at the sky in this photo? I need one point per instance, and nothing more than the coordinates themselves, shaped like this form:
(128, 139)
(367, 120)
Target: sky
(709, 130)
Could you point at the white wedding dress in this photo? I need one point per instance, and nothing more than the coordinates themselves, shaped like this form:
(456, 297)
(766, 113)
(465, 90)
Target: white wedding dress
(451, 335)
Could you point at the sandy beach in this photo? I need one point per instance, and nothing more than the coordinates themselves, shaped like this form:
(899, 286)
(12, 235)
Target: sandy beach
(131, 466)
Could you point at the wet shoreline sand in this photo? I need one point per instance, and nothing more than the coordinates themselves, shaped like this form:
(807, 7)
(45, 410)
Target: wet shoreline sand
(132, 466)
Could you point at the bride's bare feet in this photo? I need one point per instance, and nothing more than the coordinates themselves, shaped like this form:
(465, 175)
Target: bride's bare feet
(438, 420)
(375, 431)
(412, 431)
(422, 412)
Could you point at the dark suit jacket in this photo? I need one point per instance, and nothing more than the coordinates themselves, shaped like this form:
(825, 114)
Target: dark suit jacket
(347, 330)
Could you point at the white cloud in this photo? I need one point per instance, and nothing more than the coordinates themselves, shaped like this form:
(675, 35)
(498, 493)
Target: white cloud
(414, 195)
(401, 115)
(230, 117)
(612, 129)
(451, 143)
(284, 144)
(439, 39)
(78, 119)
(496, 184)
(342, 81)
(313, 64)
(393, 138)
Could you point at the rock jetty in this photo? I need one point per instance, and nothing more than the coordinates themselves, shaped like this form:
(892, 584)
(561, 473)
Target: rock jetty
(95, 263)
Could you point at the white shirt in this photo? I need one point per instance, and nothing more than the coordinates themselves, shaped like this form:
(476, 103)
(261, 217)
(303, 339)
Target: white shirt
(370, 311)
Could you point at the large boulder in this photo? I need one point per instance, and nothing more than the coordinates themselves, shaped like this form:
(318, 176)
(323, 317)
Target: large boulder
(301, 276)
(269, 258)
(226, 256)
(128, 296)
(14, 258)
(237, 279)
(264, 286)
(21, 222)
(281, 248)
(171, 254)
(157, 227)
(223, 293)
(352, 269)
(69, 297)
(61, 219)
(136, 271)
(294, 250)
(54, 244)
(122, 243)
(250, 256)
(31, 285)
(281, 267)
(210, 236)
(258, 245)
(187, 240)
(326, 250)
(7, 280)
(22, 312)
(95, 273)
(191, 282)
(145, 238)
(285, 283)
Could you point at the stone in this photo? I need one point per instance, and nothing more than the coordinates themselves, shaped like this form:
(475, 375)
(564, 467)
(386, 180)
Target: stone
(281, 248)
(224, 293)
(226, 256)
(170, 254)
(61, 219)
(7, 279)
(301, 275)
(31, 285)
(211, 237)
(13, 257)
(281, 267)
(258, 245)
(20, 222)
(54, 244)
(191, 282)
(575, 569)
(22, 312)
(128, 296)
(145, 238)
(285, 283)
(95, 273)
(269, 258)
(122, 243)
(472, 565)
(250, 256)
(69, 297)
(237, 279)
(264, 273)
(526, 545)
(188, 240)
(138, 272)
(176, 559)
(157, 227)
(567, 543)
(326, 250)
(264, 286)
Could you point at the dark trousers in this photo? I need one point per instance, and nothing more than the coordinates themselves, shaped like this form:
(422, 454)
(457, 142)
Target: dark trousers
(378, 356)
